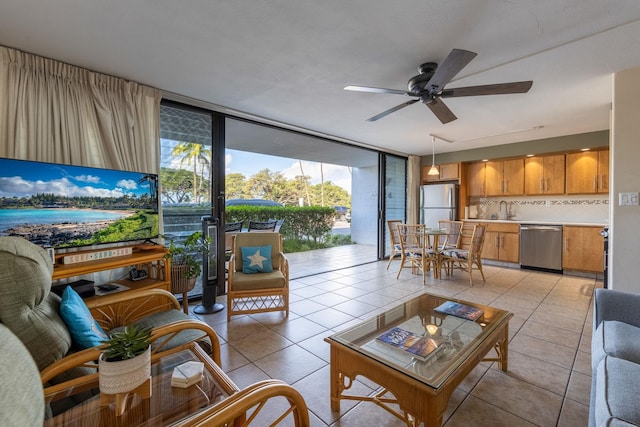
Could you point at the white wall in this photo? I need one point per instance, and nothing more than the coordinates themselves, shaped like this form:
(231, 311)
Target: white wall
(624, 232)
(364, 205)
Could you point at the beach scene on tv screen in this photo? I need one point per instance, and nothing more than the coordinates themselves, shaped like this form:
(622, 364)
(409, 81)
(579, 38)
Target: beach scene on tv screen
(60, 206)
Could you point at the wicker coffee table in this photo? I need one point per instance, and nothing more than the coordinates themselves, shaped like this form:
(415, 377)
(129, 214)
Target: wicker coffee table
(419, 386)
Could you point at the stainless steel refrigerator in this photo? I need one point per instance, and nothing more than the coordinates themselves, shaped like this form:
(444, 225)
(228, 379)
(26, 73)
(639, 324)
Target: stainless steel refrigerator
(438, 202)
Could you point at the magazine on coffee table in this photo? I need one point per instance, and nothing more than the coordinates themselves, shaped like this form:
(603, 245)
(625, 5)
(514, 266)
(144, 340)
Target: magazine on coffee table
(420, 347)
(459, 310)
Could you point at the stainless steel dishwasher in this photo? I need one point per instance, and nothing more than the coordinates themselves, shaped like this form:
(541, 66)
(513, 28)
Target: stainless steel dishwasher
(541, 247)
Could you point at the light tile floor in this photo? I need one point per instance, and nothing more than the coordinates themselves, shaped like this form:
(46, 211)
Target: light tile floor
(549, 374)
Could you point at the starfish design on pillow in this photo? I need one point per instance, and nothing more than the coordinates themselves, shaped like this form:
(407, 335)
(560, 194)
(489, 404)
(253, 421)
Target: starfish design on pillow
(257, 259)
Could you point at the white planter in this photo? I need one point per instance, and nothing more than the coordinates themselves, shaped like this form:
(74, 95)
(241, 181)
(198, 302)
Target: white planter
(124, 375)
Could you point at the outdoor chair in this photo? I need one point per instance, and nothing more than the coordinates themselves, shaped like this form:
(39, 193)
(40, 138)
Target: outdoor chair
(396, 250)
(233, 226)
(466, 258)
(230, 230)
(262, 226)
(279, 223)
(258, 275)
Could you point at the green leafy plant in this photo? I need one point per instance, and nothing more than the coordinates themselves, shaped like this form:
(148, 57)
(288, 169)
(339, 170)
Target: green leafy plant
(189, 253)
(128, 343)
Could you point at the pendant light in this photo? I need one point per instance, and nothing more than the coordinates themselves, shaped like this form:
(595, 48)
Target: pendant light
(434, 169)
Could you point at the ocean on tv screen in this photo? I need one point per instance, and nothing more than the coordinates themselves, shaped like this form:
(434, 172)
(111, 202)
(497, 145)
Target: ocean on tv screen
(58, 206)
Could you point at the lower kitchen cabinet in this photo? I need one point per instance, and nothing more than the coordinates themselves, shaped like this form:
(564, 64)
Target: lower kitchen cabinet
(502, 242)
(582, 248)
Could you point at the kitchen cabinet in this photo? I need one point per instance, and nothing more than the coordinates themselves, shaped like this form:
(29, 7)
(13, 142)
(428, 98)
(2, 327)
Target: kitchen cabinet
(448, 172)
(582, 248)
(475, 179)
(502, 242)
(504, 178)
(588, 172)
(544, 175)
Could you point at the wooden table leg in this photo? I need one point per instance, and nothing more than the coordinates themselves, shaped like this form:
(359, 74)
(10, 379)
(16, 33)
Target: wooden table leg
(503, 346)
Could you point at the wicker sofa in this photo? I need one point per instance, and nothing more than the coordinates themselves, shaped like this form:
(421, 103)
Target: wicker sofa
(615, 358)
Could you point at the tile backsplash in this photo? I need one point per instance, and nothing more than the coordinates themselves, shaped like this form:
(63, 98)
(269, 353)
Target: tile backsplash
(564, 209)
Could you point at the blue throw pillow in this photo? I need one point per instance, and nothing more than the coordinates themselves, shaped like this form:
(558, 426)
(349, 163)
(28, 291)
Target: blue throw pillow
(256, 259)
(85, 331)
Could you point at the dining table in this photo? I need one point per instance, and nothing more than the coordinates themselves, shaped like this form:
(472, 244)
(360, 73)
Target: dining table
(433, 242)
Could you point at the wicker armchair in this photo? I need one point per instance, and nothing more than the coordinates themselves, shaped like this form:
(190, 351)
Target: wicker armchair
(32, 312)
(258, 292)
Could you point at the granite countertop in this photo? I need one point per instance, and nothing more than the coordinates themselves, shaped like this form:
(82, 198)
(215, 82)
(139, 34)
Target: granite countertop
(521, 221)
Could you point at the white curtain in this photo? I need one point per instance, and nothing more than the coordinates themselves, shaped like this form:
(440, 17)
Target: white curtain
(413, 189)
(55, 112)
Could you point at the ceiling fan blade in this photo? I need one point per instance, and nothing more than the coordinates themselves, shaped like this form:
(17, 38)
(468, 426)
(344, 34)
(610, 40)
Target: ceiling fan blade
(391, 110)
(376, 90)
(442, 112)
(453, 63)
(495, 89)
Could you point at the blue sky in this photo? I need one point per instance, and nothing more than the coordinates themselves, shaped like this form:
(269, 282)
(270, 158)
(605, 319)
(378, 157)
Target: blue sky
(22, 178)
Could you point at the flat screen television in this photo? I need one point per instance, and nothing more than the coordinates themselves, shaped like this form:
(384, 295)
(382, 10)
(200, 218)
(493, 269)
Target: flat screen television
(62, 206)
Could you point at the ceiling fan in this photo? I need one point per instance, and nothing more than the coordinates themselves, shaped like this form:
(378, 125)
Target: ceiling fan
(429, 86)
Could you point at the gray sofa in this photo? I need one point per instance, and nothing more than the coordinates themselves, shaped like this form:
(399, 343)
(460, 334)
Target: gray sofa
(615, 360)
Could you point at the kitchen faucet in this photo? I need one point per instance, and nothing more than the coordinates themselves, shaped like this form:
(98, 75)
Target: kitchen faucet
(506, 213)
(507, 209)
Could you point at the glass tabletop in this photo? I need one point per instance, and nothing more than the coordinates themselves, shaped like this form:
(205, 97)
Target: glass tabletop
(167, 404)
(419, 340)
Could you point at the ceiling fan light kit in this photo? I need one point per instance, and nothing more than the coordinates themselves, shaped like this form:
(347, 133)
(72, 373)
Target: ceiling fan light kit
(428, 87)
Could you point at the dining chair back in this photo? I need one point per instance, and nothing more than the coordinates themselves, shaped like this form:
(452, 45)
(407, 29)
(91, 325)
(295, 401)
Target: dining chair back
(414, 251)
(396, 250)
(466, 259)
(453, 233)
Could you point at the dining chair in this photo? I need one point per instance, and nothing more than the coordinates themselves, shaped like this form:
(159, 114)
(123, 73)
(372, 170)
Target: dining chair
(396, 250)
(466, 258)
(453, 233)
(414, 251)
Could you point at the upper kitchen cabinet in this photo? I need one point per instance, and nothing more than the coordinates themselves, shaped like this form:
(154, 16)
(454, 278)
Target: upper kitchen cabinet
(475, 179)
(588, 172)
(448, 172)
(544, 175)
(504, 178)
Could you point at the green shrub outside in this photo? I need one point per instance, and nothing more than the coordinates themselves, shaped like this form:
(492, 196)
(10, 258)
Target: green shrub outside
(304, 228)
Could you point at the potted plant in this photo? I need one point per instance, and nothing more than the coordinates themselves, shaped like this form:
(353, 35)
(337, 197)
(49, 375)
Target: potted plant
(186, 258)
(126, 362)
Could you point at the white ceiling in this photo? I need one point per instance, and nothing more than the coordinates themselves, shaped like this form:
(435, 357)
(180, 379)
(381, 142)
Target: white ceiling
(288, 60)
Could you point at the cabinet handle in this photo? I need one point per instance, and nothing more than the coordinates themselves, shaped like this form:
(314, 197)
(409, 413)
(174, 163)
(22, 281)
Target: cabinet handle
(601, 182)
(497, 242)
(566, 244)
(595, 182)
(541, 185)
(506, 186)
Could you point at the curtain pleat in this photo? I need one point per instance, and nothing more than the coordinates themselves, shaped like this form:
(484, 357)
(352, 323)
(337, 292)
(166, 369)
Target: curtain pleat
(413, 189)
(55, 112)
